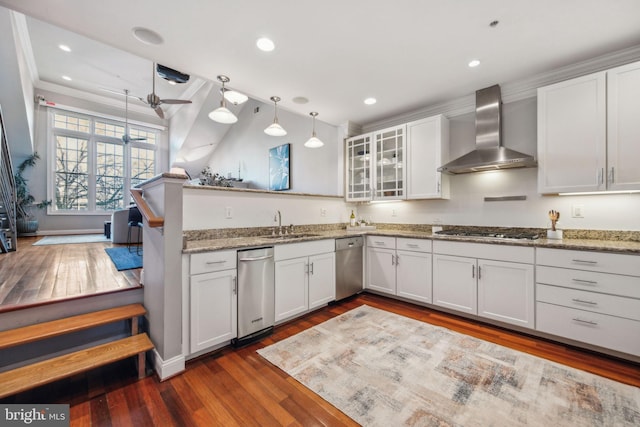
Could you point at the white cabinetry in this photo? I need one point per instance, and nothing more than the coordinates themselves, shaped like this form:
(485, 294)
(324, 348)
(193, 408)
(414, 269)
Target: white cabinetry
(427, 149)
(304, 277)
(590, 297)
(212, 299)
(492, 281)
(358, 168)
(399, 267)
(588, 132)
(389, 163)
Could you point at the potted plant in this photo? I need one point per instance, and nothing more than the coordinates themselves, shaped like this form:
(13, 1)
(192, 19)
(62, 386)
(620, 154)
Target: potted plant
(26, 221)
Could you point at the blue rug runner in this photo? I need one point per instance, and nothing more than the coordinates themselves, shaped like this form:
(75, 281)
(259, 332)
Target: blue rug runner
(123, 259)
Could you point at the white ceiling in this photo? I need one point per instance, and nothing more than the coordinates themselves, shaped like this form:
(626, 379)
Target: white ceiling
(408, 54)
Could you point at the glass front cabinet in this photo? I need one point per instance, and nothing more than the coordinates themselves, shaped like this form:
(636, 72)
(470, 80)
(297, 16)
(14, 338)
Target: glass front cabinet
(358, 157)
(389, 159)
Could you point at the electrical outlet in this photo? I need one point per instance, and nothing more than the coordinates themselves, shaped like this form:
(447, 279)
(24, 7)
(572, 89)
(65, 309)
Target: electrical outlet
(228, 212)
(577, 211)
(323, 212)
(393, 212)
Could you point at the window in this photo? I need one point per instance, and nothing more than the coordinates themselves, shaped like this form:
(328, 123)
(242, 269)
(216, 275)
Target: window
(93, 166)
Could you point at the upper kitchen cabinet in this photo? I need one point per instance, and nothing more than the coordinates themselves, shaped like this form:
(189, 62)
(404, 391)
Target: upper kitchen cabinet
(589, 134)
(427, 149)
(388, 165)
(358, 168)
(623, 127)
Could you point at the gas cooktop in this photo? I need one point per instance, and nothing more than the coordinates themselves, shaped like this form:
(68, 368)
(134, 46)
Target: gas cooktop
(490, 234)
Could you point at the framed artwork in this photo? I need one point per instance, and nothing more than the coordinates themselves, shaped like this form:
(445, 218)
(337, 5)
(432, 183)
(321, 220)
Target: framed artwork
(279, 168)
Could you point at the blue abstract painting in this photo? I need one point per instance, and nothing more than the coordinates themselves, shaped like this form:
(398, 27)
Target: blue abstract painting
(279, 167)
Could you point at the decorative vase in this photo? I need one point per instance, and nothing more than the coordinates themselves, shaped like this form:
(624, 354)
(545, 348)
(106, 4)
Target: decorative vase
(26, 226)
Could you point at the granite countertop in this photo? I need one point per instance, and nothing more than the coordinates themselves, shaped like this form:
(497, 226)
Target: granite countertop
(206, 245)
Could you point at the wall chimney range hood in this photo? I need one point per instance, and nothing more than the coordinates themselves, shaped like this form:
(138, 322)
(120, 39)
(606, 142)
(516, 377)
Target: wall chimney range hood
(489, 153)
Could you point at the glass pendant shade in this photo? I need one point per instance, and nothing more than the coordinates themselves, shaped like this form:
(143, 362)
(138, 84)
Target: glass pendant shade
(314, 141)
(222, 114)
(274, 129)
(234, 97)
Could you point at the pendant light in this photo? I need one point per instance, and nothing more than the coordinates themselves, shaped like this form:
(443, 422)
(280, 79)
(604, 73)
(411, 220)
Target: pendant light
(314, 141)
(234, 97)
(222, 114)
(274, 128)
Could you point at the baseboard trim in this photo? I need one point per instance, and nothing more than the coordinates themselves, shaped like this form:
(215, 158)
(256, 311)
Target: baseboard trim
(167, 368)
(65, 232)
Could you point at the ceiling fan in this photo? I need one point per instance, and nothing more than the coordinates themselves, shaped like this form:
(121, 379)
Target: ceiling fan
(126, 138)
(154, 100)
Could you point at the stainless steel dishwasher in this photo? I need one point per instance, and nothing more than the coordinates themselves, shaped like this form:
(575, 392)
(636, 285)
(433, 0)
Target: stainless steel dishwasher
(349, 269)
(256, 294)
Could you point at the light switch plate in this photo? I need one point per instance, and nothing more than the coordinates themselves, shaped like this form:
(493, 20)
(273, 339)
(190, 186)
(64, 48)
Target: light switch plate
(577, 211)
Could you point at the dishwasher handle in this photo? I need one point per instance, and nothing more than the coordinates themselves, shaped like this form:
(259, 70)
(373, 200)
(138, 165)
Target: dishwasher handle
(260, 258)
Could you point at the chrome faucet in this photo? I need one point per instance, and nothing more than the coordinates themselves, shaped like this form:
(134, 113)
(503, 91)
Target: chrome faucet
(278, 217)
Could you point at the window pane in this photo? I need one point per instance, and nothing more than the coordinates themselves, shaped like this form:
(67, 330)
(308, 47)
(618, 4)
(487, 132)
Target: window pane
(64, 121)
(109, 176)
(72, 181)
(109, 129)
(142, 165)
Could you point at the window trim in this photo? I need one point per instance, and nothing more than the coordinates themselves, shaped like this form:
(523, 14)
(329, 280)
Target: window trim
(93, 140)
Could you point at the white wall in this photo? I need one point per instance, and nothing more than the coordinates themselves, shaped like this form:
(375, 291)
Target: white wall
(467, 205)
(246, 146)
(207, 208)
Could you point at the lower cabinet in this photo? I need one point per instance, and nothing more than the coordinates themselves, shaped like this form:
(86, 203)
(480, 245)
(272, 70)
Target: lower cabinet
(399, 266)
(213, 301)
(499, 286)
(304, 282)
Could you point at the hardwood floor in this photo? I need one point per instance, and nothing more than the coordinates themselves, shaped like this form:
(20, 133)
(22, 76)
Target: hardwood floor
(236, 387)
(35, 275)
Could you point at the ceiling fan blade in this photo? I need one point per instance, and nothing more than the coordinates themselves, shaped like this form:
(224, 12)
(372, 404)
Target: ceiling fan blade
(175, 101)
(159, 112)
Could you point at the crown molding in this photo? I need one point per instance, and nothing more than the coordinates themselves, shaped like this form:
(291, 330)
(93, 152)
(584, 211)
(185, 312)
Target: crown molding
(514, 91)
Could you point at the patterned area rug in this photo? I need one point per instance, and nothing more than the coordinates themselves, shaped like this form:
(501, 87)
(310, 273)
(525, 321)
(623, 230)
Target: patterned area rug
(382, 369)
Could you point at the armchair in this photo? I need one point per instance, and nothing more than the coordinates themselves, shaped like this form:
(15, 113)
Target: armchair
(120, 227)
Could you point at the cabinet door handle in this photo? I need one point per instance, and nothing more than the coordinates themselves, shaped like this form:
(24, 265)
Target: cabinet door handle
(473, 271)
(600, 176)
(578, 300)
(306, 268)
(479, 272)
(585, 282)
(584, 261)
(438, 187)
(397, 259)
(588, 322)
(393, 260)
(235, 285)
(311, 270)
(611, 176)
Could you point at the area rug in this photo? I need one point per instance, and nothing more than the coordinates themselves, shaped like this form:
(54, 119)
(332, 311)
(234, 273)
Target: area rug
(75, 238)
(123, 259)
(382, 369)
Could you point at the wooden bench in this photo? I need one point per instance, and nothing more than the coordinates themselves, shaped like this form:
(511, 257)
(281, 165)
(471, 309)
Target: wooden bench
(40, 373)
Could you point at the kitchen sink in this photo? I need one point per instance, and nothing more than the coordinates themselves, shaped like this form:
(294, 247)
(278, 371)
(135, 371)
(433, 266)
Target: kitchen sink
(289, 236)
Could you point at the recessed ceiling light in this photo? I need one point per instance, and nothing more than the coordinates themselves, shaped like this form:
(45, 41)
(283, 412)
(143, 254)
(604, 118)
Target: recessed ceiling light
(300, 100)
(474, 63)
(370, 101)
(147, 36)
(64, 47)
(265, 44)
(67, 78)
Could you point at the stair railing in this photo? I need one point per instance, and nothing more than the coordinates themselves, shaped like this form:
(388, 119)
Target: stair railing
(8, 229)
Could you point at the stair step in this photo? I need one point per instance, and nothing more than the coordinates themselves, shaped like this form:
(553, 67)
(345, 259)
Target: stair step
(47, 371)
(54, 328)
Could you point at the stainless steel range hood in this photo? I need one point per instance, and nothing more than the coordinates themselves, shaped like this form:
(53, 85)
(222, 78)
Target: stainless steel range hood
(489, 153)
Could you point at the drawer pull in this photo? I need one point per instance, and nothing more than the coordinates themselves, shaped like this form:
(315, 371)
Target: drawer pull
(583, 261)
(581, 301)
(215, 262)
(588, 322)
(378, 242)
(413, 245)
(585, 282)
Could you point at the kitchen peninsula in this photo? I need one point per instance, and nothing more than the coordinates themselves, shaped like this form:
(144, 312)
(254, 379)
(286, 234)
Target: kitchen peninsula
(196, 222)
